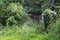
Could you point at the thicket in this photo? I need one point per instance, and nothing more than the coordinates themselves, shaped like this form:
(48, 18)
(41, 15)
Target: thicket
(16, 25)
(12, 12)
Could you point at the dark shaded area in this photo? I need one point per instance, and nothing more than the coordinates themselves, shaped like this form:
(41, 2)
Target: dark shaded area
(57, 3)
(34, 15)
(46, 20)
(3, 21)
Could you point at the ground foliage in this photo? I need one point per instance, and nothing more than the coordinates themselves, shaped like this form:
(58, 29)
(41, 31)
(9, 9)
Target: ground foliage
(16, 25)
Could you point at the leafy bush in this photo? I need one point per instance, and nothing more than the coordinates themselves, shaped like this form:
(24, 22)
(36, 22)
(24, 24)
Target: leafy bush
(17, 12)
(13, 13)
(54, 31)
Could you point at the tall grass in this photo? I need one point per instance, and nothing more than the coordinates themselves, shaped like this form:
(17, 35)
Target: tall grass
(30, 30)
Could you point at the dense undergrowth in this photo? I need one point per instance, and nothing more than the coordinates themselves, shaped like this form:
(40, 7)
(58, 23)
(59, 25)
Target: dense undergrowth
(30, 31)
(15, 24)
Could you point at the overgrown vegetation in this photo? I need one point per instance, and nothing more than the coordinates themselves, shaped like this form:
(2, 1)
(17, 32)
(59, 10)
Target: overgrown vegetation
(15, 24)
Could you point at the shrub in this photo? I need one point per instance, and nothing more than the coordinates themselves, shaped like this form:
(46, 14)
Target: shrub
(13, 13)
(54, 31)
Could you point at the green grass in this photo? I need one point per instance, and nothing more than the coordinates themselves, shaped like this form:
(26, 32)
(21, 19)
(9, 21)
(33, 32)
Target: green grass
(29, 31)
(20, 34)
